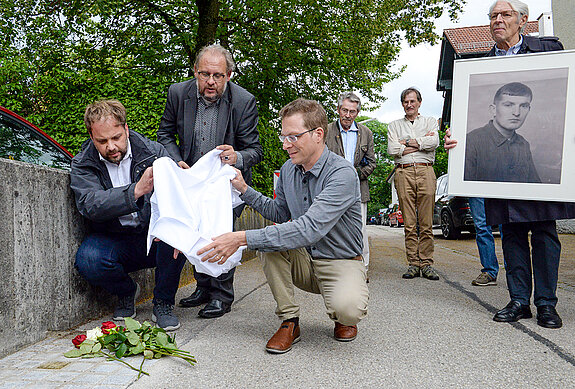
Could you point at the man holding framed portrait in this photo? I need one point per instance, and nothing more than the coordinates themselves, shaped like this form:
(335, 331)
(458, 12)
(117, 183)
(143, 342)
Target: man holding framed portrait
(518, 217)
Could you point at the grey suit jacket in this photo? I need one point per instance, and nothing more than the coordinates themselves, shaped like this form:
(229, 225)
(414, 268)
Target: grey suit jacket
(363, 149)
(237, 123)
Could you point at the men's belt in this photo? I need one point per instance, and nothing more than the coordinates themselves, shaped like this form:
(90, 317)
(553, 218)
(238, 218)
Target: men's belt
(404, 165)
(358, 258)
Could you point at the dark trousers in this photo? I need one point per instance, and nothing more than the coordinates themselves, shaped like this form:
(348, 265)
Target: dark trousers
(221, 287)
(542, 266)
(106, 259)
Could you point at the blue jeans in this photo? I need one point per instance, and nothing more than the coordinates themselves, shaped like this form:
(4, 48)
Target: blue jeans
(483, 237)
(106, 259)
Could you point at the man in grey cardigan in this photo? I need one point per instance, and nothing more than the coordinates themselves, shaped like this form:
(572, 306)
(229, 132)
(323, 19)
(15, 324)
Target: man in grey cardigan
(354, 142)
(201, 114)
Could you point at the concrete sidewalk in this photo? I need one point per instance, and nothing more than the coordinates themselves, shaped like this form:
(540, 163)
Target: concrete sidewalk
(418, 333)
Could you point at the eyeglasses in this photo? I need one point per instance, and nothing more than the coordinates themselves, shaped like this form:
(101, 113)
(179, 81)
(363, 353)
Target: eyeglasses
(293, 138)
(205, 76)
(506, 15)
(346, 111)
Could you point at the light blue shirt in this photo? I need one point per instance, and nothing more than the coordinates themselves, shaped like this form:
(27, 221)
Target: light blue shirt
(512, 50)
(349, 140)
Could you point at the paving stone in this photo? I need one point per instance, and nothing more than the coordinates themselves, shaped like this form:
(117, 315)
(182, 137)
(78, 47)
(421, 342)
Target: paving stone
(42, 385)
(90, 379)
(64, 376)
(122, 380)
(10, 384)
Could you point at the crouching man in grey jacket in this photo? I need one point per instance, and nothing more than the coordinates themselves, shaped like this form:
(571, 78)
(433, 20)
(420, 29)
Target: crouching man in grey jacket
(112, 180)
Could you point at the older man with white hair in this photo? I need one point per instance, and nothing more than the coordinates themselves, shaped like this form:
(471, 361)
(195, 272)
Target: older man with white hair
(519, 217)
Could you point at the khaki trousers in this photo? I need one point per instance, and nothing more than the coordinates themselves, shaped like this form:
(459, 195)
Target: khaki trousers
(415, 187)
(341, 282)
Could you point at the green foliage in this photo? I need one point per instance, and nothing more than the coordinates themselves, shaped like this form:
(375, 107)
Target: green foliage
(56, 57)
(379, 189)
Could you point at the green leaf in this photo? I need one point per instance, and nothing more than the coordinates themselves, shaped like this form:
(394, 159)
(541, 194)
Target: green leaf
(121, 351)
(74, 353)
(108, 339)
(137, 349)
(162, 339)
(131, 324)
(133, 338)
(86, 348)
(171, 346)
(148, 354)
(97, 347)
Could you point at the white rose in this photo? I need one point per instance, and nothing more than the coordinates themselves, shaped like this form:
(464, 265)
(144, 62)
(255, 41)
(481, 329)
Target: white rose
(94, 334)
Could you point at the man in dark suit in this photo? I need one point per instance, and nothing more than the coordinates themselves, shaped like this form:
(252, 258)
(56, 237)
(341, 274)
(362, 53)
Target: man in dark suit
(519, 217)
(354, 142)
(201, 114)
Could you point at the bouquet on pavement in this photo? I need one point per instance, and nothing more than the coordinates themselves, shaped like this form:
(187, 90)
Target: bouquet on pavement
(114, 342)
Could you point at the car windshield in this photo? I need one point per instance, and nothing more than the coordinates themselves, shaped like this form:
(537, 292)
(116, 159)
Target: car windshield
(20, 142)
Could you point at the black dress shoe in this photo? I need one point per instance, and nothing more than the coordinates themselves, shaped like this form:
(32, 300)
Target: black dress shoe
(548, 317)
(214, 308)
(199, 297)
(513, 312)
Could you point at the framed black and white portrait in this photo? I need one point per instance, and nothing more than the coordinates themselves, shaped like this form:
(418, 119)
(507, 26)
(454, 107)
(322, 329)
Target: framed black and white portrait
(514, 120)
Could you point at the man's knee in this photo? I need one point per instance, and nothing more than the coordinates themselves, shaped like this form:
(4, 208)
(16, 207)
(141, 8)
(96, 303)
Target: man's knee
(90, 261)
(349, 309)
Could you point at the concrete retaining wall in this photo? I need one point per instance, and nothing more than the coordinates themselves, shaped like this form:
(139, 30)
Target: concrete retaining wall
(39, 235)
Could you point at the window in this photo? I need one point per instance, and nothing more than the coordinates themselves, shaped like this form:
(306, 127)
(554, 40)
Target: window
(21, 142)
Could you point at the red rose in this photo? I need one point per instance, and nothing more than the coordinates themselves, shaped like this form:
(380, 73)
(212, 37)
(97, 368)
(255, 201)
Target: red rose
(107, 325)
(78, 340)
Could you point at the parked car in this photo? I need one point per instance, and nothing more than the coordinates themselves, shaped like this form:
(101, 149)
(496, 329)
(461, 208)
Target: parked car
(385, 216)
(20, 140)
(395, 216)
(451, 213)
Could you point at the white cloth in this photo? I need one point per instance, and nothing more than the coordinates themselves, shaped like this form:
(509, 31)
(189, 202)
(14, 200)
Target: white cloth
(192, 206)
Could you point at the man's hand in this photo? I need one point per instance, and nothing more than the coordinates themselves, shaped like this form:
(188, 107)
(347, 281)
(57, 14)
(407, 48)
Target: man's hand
(223, 247)
(146, 183)
(239, 183)
(409, 150)
(448, 142)
(228, 154)
(183, 165)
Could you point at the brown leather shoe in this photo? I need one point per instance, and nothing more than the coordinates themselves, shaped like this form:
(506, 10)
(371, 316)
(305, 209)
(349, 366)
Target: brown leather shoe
(284, 338)
(344, 333)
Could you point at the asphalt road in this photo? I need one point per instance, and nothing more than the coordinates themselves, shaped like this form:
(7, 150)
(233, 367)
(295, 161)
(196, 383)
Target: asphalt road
(418, 333)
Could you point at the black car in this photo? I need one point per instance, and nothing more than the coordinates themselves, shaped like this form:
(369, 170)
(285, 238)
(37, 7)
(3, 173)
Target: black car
(451, 213)
(20, 140)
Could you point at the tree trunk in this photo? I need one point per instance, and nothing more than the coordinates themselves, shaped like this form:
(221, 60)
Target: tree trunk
(208, 19)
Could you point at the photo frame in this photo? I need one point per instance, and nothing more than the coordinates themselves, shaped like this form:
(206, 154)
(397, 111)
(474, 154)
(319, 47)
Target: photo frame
(514, 120)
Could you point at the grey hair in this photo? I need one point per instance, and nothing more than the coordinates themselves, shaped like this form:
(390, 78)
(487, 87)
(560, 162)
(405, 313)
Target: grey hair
(410, 90)
(351, 97)
(520, 7)
(218, 49)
